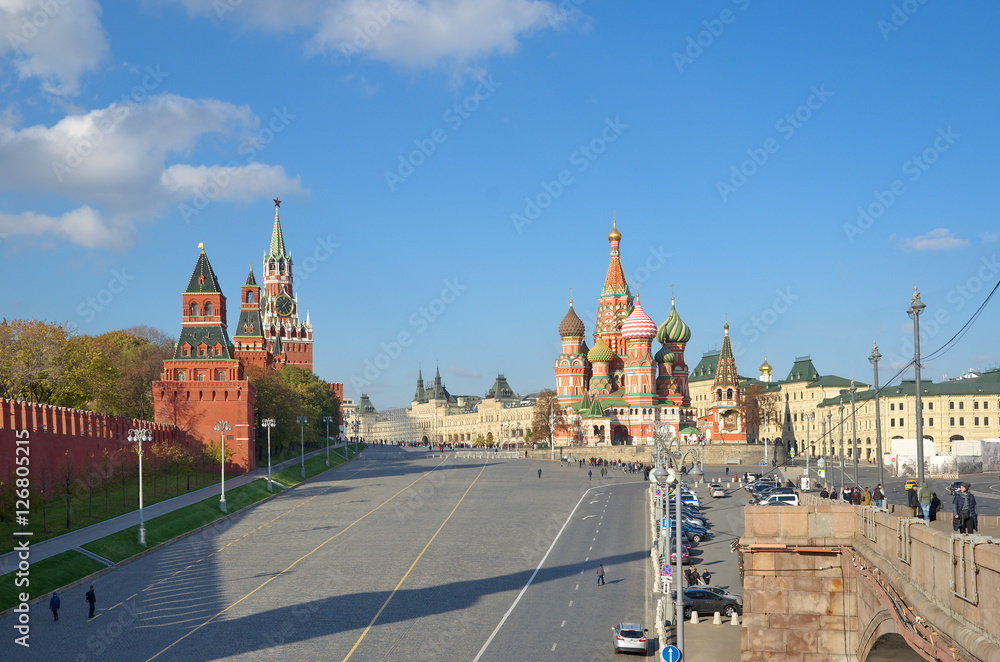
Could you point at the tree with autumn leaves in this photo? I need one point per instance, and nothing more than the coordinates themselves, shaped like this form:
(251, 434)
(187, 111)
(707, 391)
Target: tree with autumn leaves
(286, 394)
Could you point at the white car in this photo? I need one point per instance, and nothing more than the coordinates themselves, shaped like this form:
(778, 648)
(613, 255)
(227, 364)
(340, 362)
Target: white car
(780, 500)
(690, 500)
(716, 490)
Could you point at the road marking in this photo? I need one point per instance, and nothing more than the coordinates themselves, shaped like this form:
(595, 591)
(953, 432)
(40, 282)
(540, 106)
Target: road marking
(588, 516)
(278, 574)
(412, 566)
(554, 646)
(570, 603)
(524, 589)
(563, 624)
(577, 587)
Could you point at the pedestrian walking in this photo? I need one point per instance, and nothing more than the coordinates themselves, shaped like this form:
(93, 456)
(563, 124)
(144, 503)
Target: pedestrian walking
(935, 507)
(54, 605)
(590, 474)
(963, 507)
(539, 473)
(878, 496)
(600, 575)
(91, 600)
(925, 496)
(692, 577)
(866, 497)
(706, 577)
(727, 471)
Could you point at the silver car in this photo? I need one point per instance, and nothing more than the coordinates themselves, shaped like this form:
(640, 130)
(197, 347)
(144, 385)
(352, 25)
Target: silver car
(630, 637)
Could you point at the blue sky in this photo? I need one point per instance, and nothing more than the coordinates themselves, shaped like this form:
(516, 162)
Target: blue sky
(450, 169)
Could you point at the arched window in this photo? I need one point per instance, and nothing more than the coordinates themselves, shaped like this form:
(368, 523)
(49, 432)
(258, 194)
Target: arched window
(220, 375)
(250, 297)
(193, 312)
(181, 375)
(209, 308)
(270, 265)
(281, 266)
(718, 394)
(729, 394)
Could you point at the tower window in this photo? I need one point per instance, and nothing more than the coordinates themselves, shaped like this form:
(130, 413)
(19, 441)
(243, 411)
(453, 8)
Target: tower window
(250, 297)
(181, 376)
(220, 376)
(193, 311)
(209, 308)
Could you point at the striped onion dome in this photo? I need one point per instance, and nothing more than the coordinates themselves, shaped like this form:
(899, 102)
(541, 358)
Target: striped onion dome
(673, 328)
(571, 324)
(664, 356)
(638, 324)
(600, 353)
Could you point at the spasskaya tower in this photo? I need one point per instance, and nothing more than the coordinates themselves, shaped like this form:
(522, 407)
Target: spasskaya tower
(287, 337)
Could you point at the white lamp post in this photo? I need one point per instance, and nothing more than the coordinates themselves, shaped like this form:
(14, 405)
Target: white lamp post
(139, 435)
(302, 420)
(328, 420)
(917, 307)
(222, 427)
(268, 423)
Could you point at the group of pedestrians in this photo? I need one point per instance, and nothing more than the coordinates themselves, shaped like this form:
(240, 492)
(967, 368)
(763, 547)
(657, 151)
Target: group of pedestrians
(694, 579)
(856, 495)
(923, 502)
(55, 602)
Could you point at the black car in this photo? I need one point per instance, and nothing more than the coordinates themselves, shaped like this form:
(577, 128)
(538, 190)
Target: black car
(708, 602)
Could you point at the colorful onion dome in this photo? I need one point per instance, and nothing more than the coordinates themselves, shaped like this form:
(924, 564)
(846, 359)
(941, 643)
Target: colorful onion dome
(638, 324)
(571, 324)
(601, 353)
(614, 235)
(664, 355)
(673, 329)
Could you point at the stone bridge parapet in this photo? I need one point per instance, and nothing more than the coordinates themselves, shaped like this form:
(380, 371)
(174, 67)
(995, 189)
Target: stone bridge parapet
(836, 582)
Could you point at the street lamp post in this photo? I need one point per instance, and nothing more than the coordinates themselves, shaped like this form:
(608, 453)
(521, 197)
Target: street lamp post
(268, 423)
(917, 307)
(809, 419)
(873, 359)
(302, 420)
(356, 425)
(843, 468)
(69, 520)
(138, 436)
(854, 432)
(328, 420)
(222, 427)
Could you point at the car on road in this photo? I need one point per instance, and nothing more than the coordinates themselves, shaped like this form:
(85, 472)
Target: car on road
(953, 488)
(716, 490)
(631, 637)
(760, 496)
(691, 500)
(910, 485)
(697, 598)
(779, 500)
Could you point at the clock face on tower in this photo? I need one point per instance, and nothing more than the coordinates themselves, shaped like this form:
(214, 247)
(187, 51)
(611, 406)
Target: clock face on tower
(284, 305)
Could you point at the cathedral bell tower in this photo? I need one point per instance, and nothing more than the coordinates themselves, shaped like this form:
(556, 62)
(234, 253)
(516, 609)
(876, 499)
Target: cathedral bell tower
(279, 307)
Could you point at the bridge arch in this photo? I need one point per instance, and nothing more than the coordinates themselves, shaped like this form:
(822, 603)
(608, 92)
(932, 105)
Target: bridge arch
(883, 642)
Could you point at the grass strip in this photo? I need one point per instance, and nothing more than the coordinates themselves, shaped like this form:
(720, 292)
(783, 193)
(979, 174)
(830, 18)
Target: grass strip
(46, 576)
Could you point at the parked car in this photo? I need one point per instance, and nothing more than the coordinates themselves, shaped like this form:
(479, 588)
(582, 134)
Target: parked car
(953, 488)
(780, 500)
(718, 590)
(704, 601)
(630, 637)
(716, 490)
(760, 496)
(690, 499)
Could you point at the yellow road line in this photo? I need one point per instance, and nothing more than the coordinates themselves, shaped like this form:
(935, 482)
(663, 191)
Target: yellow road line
(412, 566)
(293, 564)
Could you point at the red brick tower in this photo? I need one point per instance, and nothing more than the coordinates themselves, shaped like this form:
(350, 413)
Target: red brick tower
(572, 373)
(251, 348)
(279, 307)
(204, 383)
(727, 411)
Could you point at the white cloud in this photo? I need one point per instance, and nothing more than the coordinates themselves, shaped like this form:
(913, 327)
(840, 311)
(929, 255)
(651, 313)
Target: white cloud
(409, 33)
(940, 239)
(56, 41)
(112, 164)
(988, 237)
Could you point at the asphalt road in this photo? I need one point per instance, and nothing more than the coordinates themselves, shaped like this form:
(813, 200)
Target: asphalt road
(415, 559)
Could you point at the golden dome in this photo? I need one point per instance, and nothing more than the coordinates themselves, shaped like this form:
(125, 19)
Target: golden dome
(765, 368)
(614, 235)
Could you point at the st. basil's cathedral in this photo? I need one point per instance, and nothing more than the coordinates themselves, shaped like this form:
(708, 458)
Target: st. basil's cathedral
(619, 392)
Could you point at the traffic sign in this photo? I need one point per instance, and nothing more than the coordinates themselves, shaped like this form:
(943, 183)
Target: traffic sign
(672, 654)
(666, 570)
(658, 491)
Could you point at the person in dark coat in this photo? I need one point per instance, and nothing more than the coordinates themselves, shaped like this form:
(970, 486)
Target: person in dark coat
(91, 600)
(706, 577)
(963, 507)
(935, 506)
(824, 494)
(913, 501)
(54, 605)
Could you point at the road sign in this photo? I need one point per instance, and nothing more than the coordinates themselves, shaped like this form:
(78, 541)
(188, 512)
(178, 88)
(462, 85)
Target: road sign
(672, 654)
(666, 570)
(659, 491)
